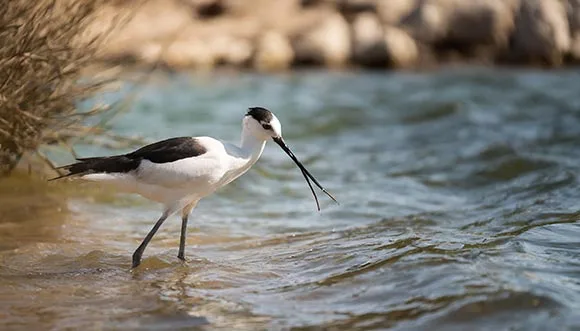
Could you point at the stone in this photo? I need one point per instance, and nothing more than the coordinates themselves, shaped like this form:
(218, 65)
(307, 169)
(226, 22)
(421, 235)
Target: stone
(481, 22)
(273, 52)
(394, 11)
(402, 50)
(196, 53)
(428, 22)
(268, 10)
(541, 33)
(376, 45)
(230, 50)
(207, 9)
(461, 23)
(326, 43)
(131, 34)
(368, 41)
(311, 3)
(574, 21)
(351, 8)
(185, 54)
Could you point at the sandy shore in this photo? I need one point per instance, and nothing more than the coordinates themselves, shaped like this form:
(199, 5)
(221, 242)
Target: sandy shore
(276, 35)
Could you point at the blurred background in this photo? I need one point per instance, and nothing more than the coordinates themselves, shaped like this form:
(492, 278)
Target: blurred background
(275, 35)
(449, 130)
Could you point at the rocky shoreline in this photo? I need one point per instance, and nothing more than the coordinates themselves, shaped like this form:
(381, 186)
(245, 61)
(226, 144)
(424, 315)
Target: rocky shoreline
(273, 35)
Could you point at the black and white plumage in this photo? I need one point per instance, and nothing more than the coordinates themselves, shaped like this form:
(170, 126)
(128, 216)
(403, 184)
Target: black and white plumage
(178, 172)
(164, 151)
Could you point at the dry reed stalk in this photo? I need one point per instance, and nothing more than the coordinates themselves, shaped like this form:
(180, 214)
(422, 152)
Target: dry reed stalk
(44, 46)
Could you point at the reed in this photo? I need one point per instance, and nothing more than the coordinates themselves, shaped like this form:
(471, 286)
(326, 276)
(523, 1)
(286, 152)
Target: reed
(44, 47)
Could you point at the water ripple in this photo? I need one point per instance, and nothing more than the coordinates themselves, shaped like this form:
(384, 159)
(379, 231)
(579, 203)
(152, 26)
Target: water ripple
(459, 210)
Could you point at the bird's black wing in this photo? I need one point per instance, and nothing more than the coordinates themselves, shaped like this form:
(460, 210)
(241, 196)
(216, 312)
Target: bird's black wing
(164, 151)
(169, 150)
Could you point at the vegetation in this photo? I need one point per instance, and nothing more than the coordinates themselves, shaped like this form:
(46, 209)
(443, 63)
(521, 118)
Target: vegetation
(44, 46)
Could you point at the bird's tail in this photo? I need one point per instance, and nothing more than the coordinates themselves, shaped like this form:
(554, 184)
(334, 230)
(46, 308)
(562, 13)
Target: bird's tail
(91, 165)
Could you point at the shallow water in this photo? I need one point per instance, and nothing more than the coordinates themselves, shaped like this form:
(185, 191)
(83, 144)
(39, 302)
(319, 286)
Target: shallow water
(459, 210)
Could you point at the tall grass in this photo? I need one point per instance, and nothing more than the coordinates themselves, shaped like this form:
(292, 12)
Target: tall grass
(44, 46)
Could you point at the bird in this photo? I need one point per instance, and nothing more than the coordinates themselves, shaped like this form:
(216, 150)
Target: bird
(178, 172)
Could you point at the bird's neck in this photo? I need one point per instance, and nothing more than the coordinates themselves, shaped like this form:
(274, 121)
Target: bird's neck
(251, 147)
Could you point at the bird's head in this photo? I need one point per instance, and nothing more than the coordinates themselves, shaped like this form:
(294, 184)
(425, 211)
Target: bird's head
(262, 124)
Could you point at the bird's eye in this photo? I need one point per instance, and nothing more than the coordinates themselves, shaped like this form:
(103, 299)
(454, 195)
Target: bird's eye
(267, 126)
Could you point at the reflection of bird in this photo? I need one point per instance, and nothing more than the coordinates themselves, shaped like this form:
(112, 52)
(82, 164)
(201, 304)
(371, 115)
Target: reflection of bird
(178, 172)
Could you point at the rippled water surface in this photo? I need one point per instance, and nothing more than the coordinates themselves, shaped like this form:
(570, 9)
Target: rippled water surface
(460, 201)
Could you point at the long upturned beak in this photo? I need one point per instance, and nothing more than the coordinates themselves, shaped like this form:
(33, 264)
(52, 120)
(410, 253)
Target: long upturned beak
(307, 175)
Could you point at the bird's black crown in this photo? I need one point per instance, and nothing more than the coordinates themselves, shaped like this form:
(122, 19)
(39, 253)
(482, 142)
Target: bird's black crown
(260, 114)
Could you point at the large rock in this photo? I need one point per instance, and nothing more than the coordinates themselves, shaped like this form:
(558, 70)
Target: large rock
(206, 9)
(352, 8)
(376, 45)
(574, 20)
(368, 41)
(197, 53)
(132, 31)
(541, 32)
(181, 54)
(428, 22)
(273, 52)
(402, 50)
(481, 22)
(326, 43)
(393, 12)
(230, 50)
(462, 23)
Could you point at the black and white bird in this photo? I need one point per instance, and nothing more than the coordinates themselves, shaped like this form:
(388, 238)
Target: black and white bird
(178, 172)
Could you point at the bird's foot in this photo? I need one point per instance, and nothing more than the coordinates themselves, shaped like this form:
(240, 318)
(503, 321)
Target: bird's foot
(136, 261)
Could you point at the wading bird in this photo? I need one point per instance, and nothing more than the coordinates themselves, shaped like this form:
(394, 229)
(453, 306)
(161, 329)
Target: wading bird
(178, 172)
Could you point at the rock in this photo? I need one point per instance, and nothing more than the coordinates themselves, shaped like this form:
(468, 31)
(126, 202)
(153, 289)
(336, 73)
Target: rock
(262, 10)
(375, 45)
(481, 22)
(184, 54)
(198, 53)
(368, 41)
(273, 52)
(311, 3)
(541, 32)
(402, 50)
(327, 43)
(428, 22)
(393, 12)
(131, 29)
(462, 23)
(206, 9)
(150, 53)
(574, 21)
(351, 8)
(230, 50)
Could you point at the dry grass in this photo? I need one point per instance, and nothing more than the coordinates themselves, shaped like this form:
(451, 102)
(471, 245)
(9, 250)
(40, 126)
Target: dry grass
(44, 46)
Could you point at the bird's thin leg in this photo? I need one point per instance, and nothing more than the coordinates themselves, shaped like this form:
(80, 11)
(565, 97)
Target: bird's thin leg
(139, 251)
(181, 254)
(184, 217)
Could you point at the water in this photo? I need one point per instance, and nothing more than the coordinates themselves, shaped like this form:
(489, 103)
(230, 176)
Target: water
(459, 210)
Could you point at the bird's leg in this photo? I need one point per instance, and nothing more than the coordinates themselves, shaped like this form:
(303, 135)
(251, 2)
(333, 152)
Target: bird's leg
(181, 254)
(184, 217)
(139, 251)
